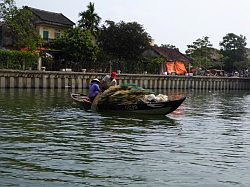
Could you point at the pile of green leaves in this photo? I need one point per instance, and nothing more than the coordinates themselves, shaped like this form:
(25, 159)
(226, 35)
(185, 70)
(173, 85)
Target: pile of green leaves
(122, 94)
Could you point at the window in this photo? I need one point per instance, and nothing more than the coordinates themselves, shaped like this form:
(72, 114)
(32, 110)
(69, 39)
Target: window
(46, 35)
(57, 34)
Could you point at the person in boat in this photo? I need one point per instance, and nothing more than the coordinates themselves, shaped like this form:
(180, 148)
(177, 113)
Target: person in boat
(94, 89)
(108, 80)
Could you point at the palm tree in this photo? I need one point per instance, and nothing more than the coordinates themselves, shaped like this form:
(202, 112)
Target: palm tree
(89, 20)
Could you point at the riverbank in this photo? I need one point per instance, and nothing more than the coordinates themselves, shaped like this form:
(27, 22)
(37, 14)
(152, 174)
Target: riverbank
(79, 80)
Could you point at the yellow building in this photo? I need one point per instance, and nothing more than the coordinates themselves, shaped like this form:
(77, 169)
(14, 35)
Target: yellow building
(50, 25)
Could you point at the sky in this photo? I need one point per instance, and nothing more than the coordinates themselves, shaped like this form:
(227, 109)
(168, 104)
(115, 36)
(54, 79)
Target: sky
(175, 22)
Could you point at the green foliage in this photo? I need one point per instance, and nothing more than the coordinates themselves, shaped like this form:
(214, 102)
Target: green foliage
(233, 48)
(149, 64)
(201, 52)
(198, 44)
(7, 8)
(90, 20)
(122, 94)
(248, 64)
(78, 46)
(17, 60)
(124, 42)
(23, 30)
(20, 25)
(169, 46)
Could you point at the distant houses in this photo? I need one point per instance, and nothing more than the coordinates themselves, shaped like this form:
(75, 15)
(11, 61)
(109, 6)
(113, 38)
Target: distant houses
(174, 60)
(50, 25)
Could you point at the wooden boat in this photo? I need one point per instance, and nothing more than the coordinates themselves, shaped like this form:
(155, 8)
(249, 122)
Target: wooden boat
(152, 108)
(82, 100)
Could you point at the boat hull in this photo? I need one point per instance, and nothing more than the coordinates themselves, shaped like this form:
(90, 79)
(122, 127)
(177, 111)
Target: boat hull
(82, 100)
(160, 108)
(152, 108)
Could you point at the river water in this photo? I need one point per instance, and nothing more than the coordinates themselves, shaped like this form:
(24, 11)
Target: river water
(46, 140)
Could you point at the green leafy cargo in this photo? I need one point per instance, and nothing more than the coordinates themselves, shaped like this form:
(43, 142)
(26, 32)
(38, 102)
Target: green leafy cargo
(123, 94)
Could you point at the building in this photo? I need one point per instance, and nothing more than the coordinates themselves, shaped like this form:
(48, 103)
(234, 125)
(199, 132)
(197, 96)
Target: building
(50, 25)
(173, 59)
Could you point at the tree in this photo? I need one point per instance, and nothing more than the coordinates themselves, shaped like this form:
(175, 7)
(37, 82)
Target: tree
(20, 25)
(201, 52)
(23, 30)
(150, 64)
(169, 46)
(124, 43)
(7, 7)
(233, 48)
(90, 20)
(77, 46)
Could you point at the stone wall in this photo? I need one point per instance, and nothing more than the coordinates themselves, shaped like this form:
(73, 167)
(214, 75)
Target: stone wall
(78, 80)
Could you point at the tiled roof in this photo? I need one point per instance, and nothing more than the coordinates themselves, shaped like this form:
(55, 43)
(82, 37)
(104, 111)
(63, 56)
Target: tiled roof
(51, 17)
(171, 54)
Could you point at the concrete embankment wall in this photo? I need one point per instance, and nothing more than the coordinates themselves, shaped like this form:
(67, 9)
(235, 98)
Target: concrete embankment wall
(78, 80)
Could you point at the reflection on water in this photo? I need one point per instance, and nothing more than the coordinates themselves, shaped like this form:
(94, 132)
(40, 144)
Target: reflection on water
(47, 141)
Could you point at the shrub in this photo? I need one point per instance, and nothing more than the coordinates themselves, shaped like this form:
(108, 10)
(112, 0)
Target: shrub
(17, 60)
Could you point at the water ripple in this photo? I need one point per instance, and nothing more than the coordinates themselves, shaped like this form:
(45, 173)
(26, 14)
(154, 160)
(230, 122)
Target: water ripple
(47, 141)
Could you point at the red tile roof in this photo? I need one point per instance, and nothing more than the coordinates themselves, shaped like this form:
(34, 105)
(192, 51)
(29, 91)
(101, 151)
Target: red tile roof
(171, 54)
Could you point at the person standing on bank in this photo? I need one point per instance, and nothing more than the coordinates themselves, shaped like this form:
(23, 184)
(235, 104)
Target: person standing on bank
(108, 80)
(94, 89)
